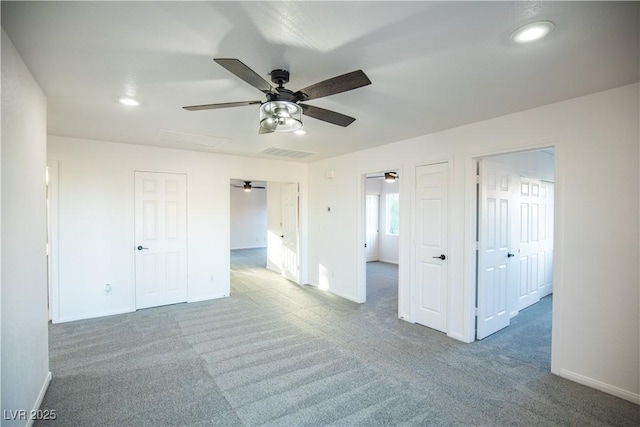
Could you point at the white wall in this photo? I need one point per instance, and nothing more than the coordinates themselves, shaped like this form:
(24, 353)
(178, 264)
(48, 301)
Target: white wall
(96, 219)
(24, 348)
(596, 320)
(274, 226)
(248, 218)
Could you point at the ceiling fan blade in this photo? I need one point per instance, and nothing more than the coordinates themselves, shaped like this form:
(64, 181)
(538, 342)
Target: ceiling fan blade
(222, 105)
(238, 68)
(343, 83)
(326, 115)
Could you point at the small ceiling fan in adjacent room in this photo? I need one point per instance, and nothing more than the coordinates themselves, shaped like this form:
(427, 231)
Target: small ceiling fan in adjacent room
(247, 186)
(282, 111)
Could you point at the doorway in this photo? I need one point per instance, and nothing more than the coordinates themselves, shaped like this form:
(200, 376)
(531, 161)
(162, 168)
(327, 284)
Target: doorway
(52, 239)
(264, 227)
(381, 217)
(515, 211)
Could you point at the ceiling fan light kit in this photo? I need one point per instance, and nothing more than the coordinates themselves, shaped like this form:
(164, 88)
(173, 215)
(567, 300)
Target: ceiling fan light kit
(280, 116)
(282, 111)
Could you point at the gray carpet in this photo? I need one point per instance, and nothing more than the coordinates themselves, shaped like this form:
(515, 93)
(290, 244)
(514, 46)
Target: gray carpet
(275, 353)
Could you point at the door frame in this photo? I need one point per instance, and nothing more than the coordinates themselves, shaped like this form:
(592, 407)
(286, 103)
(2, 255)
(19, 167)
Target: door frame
(301, 236)
(471, 233)
(361, 232)
(52, 230)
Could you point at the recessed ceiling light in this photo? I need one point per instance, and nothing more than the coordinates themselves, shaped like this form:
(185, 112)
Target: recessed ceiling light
(532, 32)
(129, 101)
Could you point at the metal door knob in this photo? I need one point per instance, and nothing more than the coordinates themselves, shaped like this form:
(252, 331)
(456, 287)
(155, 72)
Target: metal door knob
(442, 257)
(509, 254)
(141, 248)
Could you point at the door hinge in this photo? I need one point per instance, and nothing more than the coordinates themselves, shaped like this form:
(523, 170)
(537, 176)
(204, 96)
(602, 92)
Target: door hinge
(477, 179)
(477, 246)
(476, 312)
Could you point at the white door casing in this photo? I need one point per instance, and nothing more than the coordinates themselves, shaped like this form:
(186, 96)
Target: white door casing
(160, 220)
(372, 226)
(495, 234)
(431, 244)
(290, 233)
(546, 238)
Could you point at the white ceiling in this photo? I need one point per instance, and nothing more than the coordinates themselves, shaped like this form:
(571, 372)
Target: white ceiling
(433, 66)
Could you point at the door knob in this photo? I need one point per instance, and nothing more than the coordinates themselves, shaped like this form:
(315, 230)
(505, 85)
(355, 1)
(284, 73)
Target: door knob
(509, 254)
(442, 257)
(141, 248)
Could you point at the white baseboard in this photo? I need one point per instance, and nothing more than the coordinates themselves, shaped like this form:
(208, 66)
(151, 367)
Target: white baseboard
(94, 315)
(249, 247)
(599, 385)
(388, 261)
(342, 295)
(38, 402)
(207, 298)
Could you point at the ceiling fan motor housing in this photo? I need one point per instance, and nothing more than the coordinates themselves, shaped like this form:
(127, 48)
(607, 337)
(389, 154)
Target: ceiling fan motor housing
(279, 77)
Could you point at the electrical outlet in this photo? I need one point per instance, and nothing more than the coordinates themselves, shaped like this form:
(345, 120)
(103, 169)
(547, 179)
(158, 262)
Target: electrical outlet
(107, 289)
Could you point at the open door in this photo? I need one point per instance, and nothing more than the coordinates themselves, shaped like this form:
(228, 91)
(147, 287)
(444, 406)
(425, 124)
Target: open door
(372, 224)
(495, 239)
(290, 233)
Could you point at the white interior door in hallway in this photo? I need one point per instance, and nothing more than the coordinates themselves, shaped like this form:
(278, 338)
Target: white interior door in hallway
(290, 232)
(431, 244)
(535, 240)
(160, 238)
(515, 243)
(372, 225)
(495, 238)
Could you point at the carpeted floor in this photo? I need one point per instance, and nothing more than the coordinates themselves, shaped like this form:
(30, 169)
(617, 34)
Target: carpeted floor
(275, 353)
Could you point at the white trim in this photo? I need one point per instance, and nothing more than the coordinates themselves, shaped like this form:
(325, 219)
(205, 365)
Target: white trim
(95, 315)
(249, 247)
(599, 385)
(53, 263)
(40, 398)
(207, 298)
(340, 294)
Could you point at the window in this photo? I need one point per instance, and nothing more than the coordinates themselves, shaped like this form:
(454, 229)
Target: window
(393, 213)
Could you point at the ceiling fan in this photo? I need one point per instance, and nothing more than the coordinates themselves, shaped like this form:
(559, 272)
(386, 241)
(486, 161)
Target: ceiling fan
(247, 186)
(282, 111)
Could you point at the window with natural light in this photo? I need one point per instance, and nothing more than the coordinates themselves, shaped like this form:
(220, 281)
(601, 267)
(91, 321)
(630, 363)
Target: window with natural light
(393, 213)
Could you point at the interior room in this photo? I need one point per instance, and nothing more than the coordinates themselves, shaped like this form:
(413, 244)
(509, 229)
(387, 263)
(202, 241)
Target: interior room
(131, 129)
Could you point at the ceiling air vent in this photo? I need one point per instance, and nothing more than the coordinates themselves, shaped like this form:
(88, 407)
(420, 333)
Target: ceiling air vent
(291, 154)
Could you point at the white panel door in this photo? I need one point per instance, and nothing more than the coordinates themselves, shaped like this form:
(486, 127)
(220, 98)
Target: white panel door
(372, 226)
(494, 246)
(530, 257)
(160, 238)
(290, 239)
(431, 228)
